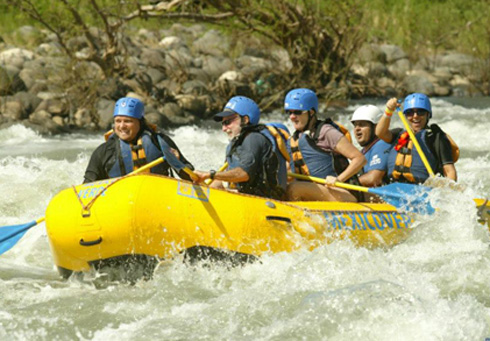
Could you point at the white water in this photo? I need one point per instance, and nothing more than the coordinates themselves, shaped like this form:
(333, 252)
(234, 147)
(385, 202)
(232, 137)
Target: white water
(435, 286)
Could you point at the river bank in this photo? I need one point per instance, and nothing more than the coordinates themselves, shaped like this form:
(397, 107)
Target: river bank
(186, 74)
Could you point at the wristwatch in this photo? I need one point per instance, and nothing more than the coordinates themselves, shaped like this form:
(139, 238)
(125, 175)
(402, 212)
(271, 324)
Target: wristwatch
(212, 173)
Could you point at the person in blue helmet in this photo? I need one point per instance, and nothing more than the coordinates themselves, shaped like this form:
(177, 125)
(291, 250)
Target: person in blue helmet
(364, 119)
(131, 144)
(404, 161)
(319, 149)
(256, 156)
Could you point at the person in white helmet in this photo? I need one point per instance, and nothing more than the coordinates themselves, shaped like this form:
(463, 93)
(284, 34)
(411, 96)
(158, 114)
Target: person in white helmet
(374, 149)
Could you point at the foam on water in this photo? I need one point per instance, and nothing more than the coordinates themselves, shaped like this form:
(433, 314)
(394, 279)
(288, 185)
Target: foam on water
(432, 287)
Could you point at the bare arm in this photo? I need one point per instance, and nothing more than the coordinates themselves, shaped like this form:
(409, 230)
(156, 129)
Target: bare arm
(357, 160)
(449, 171)
(382, 128)
(233, 175)
(372, 178)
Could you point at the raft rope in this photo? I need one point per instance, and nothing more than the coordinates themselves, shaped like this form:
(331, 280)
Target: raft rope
(86, 208)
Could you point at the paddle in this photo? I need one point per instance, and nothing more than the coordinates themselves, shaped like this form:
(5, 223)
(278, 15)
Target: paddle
(222, 168)
(174, 160)
(10, 235)
(415, 142)
(409, 197)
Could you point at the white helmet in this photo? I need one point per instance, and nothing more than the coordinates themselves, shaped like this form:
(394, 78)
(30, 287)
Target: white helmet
(367, 112)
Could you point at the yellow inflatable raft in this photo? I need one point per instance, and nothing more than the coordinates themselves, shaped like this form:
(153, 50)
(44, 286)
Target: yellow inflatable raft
(157, 217)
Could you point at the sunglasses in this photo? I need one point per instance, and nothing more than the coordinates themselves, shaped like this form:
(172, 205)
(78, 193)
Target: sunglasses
(227, 122)
(295, 112)
(419, 112)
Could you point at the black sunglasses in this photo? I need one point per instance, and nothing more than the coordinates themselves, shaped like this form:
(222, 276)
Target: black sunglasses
(295, 112)
(228, 121)
(419, 112)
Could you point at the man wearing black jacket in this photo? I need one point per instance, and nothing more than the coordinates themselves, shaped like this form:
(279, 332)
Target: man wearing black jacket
(131, 144)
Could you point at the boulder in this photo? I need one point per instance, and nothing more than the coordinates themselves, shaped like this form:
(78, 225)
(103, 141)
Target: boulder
(212, 43)
(418, 83)
(152, 57)
(393, 53)
(13, 109)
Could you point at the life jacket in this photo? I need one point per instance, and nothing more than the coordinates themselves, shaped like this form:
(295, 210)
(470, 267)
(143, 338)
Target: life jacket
(309, 159)
(272, 180)
(130, 157)
(404, 161)
(279, 137)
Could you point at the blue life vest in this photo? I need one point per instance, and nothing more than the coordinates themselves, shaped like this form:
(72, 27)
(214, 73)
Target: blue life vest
(274, 171)
(319, 162)
(125, 156)
(406, 163)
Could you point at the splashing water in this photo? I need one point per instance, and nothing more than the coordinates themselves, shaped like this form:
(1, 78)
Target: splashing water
(434, 286)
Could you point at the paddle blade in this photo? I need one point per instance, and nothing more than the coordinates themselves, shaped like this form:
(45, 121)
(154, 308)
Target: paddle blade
(412, 198)
(10, 235)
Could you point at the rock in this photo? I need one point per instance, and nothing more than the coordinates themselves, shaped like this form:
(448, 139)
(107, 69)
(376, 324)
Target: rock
(157, 119)
(418, 83)
(458, 62)
(194, 87)
(371, 53)
(155, 74)
(28, 35)
(215, 66)
(179, 59)
(193, 104)
(40, 117)
(13, 109)
(29, 101)
(282, 59)
(171, 42)
(231, 76)
(393, 53)
(49, 49)
(58, 120)
(147, 37)
(377, 69)
(105, 111)
(30, 77)
(200, 75)
(172, 110)
(400, 68)
(82, 118)
(440, 90)
(152, 57)
(5, 82)
(212, 43)
(16, 57)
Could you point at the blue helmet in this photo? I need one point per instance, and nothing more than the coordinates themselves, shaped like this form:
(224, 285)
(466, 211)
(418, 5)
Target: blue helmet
(128, 106)
(417, 101)
(301, 99)
(241, 105)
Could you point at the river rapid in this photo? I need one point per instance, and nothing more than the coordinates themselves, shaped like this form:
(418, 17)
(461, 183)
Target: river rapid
(435, 286)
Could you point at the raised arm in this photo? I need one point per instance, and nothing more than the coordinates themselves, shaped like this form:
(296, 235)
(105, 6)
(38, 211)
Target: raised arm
(382, 128)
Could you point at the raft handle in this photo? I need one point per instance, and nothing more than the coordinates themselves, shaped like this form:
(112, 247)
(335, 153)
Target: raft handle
(273, 217)
(90, 243)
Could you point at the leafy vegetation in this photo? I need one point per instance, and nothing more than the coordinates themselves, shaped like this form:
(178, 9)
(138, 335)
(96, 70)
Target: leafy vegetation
(321, 36)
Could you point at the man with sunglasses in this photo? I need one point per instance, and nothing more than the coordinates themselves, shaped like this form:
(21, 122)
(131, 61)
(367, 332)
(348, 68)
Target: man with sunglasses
(404, 161)
(255, 165)
(319, 149)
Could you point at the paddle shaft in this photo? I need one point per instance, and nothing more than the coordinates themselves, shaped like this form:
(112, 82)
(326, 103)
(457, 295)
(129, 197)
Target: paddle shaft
(415, 142)
(222, 168)
(323, 181)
